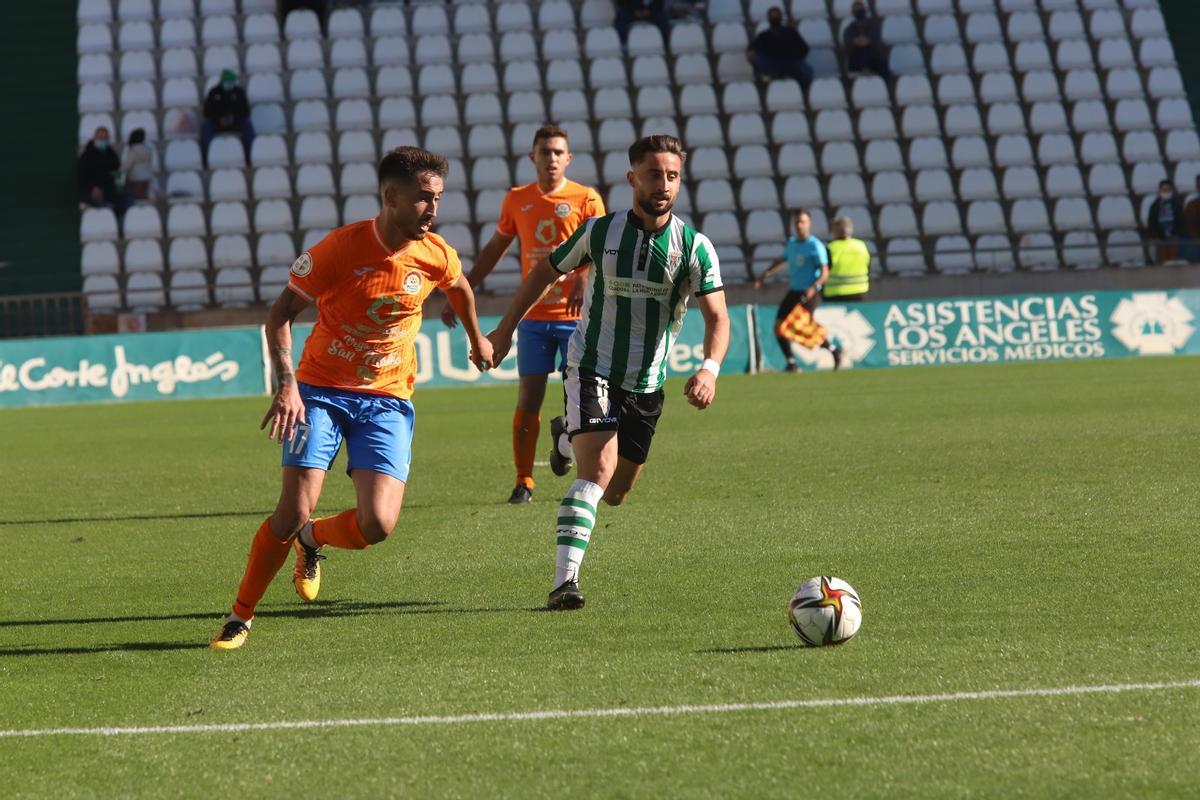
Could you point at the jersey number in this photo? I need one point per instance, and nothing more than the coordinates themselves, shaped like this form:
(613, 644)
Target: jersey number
(299, 438)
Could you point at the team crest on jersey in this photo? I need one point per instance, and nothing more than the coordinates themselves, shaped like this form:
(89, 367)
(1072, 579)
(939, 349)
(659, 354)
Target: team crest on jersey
(562, 210)
(302, 265)
(673, 260)
(412, 283)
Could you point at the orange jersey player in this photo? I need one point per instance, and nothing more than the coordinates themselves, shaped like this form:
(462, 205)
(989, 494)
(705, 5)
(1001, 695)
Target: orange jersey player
(355, 378)
(543, 215)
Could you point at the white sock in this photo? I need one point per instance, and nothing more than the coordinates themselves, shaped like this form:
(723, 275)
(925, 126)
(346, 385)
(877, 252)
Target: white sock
(235, 618)
(306, 535)
(576, 518)
(564, 446)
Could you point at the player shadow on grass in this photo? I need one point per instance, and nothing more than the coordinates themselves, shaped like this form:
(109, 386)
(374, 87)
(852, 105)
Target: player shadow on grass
(769, 648)
(321, 608)
(410, 505)
(134, 518)
(332, 608)
(119, 647)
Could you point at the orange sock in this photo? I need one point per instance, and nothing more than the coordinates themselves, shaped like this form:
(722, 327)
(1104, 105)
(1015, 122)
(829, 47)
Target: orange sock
(340, 531)
(267, 555)
(526, 428)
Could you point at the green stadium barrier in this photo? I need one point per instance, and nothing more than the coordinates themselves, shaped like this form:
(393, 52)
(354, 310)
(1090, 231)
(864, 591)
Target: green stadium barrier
(231, 362)
(981, 330)
(144, 366)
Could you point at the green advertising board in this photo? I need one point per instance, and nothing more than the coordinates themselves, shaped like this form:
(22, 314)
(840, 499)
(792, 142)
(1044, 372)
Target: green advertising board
(979, 330)
(144, 366)
(442, 353)
(985, 330)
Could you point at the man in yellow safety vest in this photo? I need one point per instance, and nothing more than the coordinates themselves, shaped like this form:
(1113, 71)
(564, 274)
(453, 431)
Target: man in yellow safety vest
(849, 265)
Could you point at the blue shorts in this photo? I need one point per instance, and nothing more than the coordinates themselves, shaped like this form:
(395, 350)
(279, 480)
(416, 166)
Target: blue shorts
(378, 431)
(539, 342)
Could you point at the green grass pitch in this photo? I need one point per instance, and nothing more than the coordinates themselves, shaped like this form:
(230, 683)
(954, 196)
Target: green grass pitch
(1008, 527)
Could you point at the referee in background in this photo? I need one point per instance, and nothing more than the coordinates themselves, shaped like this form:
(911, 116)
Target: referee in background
(807, 260)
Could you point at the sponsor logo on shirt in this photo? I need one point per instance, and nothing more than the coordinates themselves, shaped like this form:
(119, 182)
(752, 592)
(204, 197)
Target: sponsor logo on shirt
(545, 232)
(632, 287)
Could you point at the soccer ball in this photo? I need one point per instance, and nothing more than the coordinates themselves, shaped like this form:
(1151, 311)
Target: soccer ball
(825, 610)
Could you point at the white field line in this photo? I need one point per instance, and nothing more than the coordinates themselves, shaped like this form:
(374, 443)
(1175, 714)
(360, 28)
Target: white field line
(592, 713)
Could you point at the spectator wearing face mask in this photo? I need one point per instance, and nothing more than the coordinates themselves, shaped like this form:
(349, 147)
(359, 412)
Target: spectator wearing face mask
(1164, 222)
(226, 110)
(780, 51)
(863, 39)
(98, 167)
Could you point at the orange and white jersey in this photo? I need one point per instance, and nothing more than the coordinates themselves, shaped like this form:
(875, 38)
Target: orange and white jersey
(542, 222)
(368, 307)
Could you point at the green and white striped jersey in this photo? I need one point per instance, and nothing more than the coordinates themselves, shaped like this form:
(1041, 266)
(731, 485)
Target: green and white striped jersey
(633, 306)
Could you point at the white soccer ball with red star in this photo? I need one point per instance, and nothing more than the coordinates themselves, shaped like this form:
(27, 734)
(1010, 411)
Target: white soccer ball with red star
(825, 610)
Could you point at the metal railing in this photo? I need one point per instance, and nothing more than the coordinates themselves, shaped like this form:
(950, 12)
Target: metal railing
(60, 314)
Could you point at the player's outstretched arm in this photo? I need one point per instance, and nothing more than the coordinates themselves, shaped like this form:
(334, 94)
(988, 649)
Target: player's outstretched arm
(768, 272)
(701, 388)
(287, 409)
(485, 262)
(462, 300)
(530, 292)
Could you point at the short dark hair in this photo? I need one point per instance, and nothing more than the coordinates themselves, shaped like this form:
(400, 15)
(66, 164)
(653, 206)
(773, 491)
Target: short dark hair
(1165, 182)
(406, 163)
(800, 212)
(550, 131)
(137, 136)
(658, 143)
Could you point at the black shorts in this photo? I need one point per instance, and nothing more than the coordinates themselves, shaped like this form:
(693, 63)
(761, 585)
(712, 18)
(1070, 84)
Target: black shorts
(593, 405)
(793, 298)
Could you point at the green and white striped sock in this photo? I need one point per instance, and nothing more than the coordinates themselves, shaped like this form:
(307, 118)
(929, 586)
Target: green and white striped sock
(576, 518)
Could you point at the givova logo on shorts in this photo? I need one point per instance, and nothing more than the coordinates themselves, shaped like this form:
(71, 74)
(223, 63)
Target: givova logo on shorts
(848, 329)
(1152, 324)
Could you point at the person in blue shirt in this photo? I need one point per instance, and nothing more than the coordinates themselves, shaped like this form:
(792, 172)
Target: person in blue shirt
(807, 260)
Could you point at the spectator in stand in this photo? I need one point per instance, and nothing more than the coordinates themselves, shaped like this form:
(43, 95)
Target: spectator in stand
(865, 51)
(318, 7)
(98, 168)
(1191, 224)
(780, 51)
(138, 167)
(1165, 222)
(226, 110)
(849, 265)
(652, 11)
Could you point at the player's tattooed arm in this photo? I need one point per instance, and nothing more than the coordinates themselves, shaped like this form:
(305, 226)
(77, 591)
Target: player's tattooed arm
(287, 409)
(284, 372)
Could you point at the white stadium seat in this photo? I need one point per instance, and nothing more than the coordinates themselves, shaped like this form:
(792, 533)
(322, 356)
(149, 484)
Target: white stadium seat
(187, 253)
(970, 151)
(273, 216)
(231, 250)
(227, 184)
(269, 150)
(933, 184)
(188, 289)
(941, 217)
(143, 255)
(144, 291)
